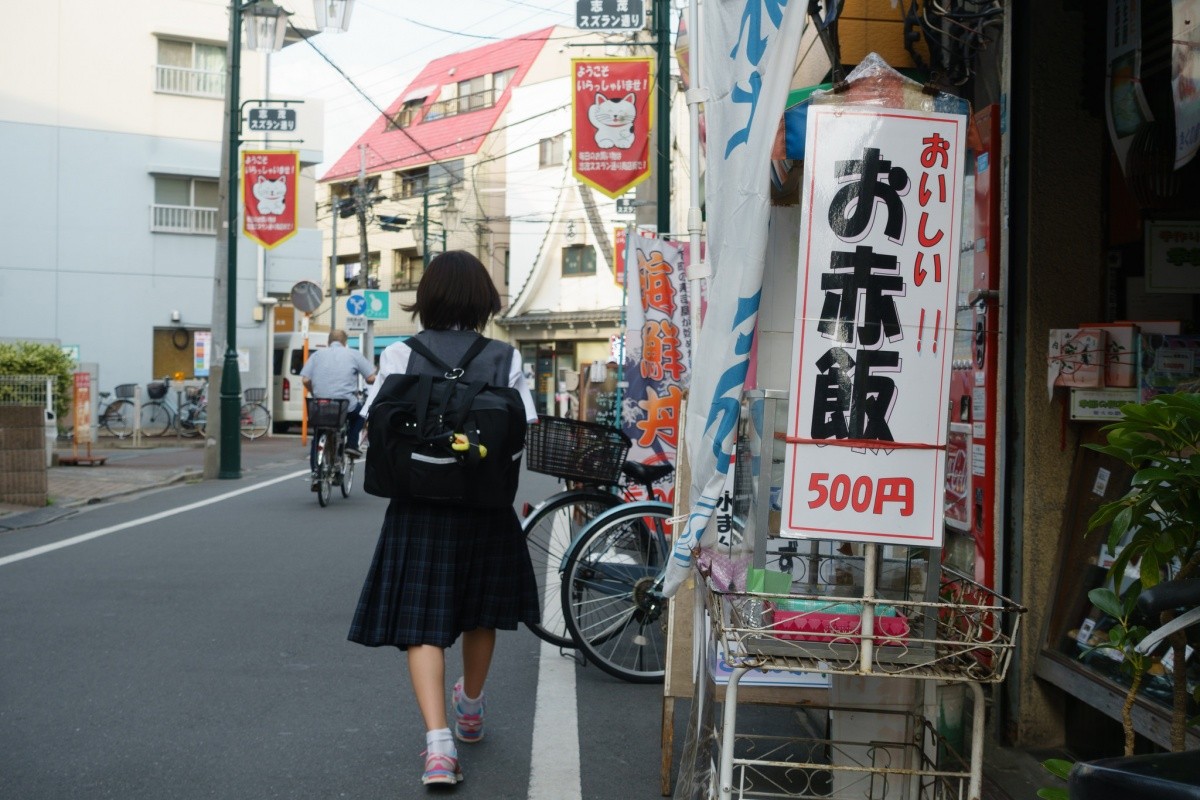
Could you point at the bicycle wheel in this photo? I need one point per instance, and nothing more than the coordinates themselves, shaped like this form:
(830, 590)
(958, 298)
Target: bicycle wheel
(612, 608)
(347, 475)
(186, 419)
(156, 418)
(118, 418)
(324, 467)
(549, 530)
(255, 420)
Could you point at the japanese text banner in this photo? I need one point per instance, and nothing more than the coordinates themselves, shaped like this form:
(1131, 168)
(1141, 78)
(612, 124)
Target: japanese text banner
(879, 247)
(269, 195)
(611, 110)
(657, 349)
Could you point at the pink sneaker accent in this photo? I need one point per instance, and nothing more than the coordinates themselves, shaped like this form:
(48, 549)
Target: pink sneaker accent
(441, 769)
(467, 727)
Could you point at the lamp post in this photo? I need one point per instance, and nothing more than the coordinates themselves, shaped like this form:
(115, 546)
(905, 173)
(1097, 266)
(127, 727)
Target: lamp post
(266, 27)
(449, 219)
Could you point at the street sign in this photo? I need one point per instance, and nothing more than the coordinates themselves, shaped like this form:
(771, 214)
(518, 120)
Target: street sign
(272, 119)
(377, 304)
(356, 305)
(306, 296)
(610, 15)
(356, 324)
(625, 204)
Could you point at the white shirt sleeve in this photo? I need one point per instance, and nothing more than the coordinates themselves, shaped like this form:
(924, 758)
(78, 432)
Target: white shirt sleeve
(516, 380)
(393, 360)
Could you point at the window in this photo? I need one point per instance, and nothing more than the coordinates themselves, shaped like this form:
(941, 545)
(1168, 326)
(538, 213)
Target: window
(190, 68)
(473, 94)
(352, 277)
(407, 269)
(184, 205)
(413, 182)
(442, 175)
(579, 259)
(408, 113)
(550, 152)
(500, 80)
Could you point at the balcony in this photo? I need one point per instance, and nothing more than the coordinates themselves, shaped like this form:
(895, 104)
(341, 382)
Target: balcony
(183, 219)
(191, 82)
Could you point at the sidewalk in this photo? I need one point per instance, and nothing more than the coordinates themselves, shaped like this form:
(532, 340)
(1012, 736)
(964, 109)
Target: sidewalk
(127, 470)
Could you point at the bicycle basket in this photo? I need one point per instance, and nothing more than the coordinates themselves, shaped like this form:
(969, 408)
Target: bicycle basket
(125, 390)
(255, 395)
(156, 390)
(574, 450)
(326, 412)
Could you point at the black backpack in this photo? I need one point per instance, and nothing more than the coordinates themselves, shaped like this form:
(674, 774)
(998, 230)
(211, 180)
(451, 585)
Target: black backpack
(442, 439)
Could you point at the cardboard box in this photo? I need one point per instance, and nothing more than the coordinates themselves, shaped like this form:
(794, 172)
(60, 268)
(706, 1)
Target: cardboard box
(1076, 358)
(1165, 327)
(1120, 358)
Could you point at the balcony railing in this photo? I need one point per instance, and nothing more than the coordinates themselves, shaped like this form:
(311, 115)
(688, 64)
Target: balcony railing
(183, 219)
(193, 82)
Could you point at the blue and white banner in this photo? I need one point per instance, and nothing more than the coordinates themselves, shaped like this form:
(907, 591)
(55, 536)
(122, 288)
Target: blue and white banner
(750, 48)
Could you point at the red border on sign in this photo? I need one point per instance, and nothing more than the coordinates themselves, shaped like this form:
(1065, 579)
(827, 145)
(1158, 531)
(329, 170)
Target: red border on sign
(269, 217)
(612, 110)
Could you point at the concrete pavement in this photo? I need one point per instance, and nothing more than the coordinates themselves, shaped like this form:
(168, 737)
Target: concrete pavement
(128, 469)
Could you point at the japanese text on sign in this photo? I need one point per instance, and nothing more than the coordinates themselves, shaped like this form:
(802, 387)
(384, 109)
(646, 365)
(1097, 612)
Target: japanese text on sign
(872, 370)
(610, 15)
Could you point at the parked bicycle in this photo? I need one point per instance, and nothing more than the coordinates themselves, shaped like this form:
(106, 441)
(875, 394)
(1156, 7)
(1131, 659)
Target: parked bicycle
(116, 415)
(157, 417)
(333, 468)
(192, 417)
(254, 416)
(588, 571)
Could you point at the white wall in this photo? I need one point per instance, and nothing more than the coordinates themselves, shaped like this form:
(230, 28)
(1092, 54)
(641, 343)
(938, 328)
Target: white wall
(82, 133)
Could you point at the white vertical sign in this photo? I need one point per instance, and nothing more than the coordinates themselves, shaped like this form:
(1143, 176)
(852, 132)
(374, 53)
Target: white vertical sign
(879, 246)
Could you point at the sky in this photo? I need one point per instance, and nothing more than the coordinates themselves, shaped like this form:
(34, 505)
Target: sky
(387, 44)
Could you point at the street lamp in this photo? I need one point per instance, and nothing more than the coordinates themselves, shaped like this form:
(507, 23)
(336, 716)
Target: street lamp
(449, 220)
(266, 27)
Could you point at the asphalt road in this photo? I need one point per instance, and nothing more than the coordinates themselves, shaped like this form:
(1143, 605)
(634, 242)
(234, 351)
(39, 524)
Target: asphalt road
(201, 652)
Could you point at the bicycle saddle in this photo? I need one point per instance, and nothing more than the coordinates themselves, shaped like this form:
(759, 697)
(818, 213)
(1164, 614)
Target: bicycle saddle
(1161, 776)
(646, 473)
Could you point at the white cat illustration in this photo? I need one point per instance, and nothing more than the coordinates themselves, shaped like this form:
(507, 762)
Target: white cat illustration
(270, 195)
(613, 120)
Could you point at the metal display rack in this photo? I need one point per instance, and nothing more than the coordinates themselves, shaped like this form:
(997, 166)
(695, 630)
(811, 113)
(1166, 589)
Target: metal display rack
(840, 617)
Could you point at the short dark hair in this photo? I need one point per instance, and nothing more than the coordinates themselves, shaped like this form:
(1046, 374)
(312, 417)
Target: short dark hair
(456, 291)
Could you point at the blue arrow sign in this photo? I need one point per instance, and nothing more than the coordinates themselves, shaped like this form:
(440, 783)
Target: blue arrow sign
(356, 304)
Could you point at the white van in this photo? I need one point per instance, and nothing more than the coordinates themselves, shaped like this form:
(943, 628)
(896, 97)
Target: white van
(288, 406)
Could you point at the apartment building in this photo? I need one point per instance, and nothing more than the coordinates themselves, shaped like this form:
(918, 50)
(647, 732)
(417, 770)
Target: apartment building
(112, 127)
(474, 155)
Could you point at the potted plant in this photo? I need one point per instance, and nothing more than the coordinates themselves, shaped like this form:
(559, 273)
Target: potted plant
(1153, 531)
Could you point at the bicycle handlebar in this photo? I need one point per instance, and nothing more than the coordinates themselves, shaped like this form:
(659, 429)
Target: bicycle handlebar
(1170, 594)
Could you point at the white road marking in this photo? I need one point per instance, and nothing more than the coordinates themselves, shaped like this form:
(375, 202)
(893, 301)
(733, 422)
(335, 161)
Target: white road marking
(554, 764)
(84, 537)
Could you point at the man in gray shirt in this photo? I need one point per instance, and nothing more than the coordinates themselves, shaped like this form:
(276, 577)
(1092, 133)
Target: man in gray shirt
(333, 372)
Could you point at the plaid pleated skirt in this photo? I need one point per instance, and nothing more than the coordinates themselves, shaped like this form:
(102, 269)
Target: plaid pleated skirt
(440, 570)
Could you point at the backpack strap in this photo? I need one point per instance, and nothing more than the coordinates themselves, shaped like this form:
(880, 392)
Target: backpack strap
(475, 349)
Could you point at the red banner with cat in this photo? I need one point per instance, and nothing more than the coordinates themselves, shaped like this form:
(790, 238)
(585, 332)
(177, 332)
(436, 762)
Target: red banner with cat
(611, 106)
(269, 195)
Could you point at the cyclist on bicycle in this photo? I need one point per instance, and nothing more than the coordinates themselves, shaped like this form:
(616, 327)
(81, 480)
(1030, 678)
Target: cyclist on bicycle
(333, 372)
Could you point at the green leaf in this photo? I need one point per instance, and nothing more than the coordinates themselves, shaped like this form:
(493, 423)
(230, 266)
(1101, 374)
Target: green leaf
(1053, 793)
(1058, 767)
(1149, 569)
(1106, 600)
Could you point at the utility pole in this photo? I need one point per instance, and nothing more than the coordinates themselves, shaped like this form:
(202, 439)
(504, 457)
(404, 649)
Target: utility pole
(662, 45)
(368, 341)
(333, 268)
